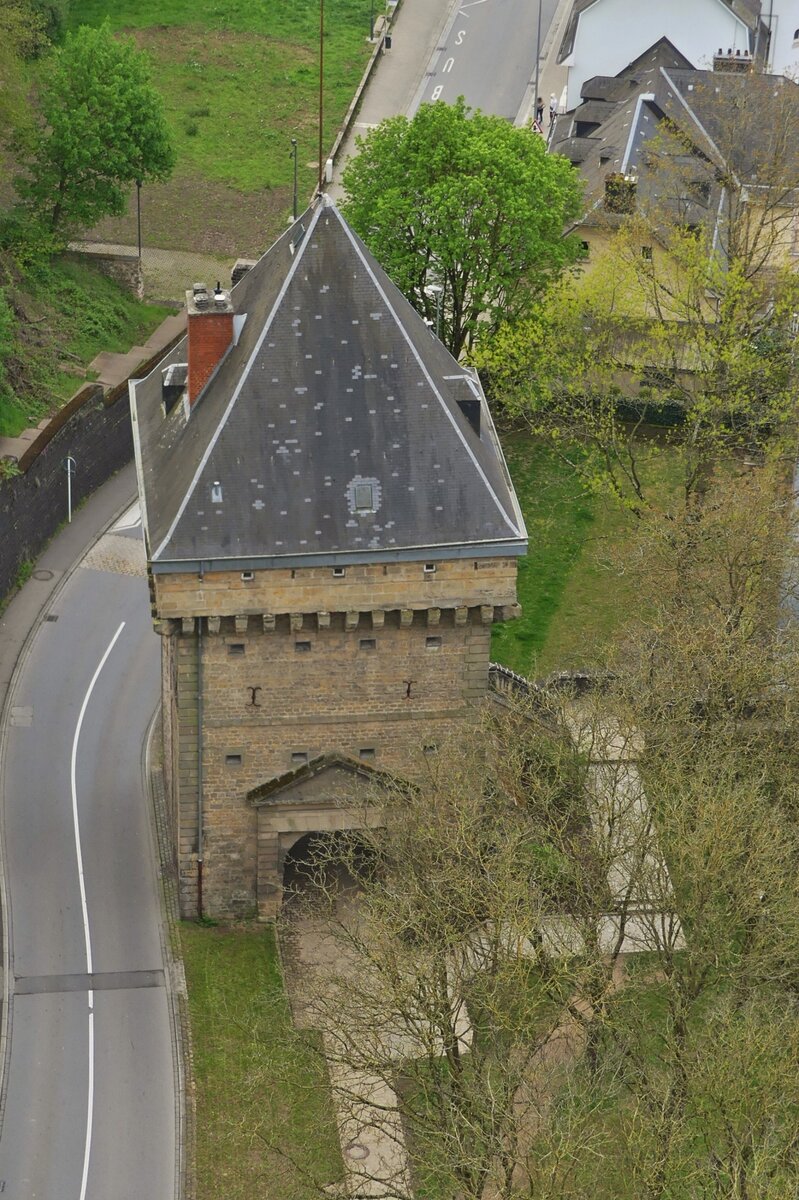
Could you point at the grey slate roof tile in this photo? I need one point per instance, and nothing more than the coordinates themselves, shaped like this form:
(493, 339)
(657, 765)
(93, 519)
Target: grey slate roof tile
(335, 382)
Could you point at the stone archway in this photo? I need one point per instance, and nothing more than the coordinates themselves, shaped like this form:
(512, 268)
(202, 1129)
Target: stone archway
(327, 795)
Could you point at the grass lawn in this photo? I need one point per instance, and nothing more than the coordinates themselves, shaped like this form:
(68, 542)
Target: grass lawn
(257, 1087)
(574, 596)
(239, 79)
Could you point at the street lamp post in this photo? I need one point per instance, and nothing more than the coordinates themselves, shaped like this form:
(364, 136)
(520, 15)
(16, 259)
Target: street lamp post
(436, 290)
(69, 466)
(138, 215)
(294, 152)
(372, 20)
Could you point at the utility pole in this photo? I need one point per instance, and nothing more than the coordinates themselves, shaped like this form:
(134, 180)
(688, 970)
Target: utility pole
(537, 53)
(294, 152)
(321, 87)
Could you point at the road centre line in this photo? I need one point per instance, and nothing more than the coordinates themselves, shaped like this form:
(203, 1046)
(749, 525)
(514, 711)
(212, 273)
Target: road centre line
(84, 907)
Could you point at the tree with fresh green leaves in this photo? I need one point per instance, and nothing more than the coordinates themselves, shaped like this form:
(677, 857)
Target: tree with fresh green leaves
(103, 129)
(634, 341)
(463, 202)
(686, 314)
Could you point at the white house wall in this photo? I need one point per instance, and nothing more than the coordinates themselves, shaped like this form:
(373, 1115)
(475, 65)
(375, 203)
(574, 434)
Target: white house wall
(784, 53)
(612, 33)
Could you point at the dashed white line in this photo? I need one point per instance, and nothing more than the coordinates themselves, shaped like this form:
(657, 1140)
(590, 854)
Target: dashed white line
(84, 907)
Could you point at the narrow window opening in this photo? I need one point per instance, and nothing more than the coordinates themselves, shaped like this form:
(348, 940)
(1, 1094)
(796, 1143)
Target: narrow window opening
(646, 252)
(431, 748)
(247, 576)
(302, 647)
(429, 568)
(235, 648)
(433, 643)
(368, 644)
(367, 753)
(299, 758)
(232, 760)
(339, 572)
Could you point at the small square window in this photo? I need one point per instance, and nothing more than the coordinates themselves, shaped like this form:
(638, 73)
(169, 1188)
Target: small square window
(302, 647)
(363, 496)
(247, 576)
(368, 644)
(299, 758)
(433, 643)
(232, 760)
(367, 753)
(429, 568)
(339, 572)
(235, 647)
(646, 252)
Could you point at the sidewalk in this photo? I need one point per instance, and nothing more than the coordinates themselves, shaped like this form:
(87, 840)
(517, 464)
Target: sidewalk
(397, 76)
(53, 565)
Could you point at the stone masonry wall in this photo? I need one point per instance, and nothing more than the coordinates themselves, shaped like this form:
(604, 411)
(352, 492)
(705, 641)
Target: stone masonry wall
(383, 694)
(456, 582)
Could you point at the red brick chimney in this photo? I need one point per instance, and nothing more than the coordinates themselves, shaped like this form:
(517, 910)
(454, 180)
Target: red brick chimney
(210, 330)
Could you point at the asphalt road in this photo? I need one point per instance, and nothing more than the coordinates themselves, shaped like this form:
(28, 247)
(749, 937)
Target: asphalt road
(89, 1111)
(487, 54)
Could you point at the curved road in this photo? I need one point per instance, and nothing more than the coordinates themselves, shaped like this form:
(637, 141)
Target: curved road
(487, 54)
(90, 1103)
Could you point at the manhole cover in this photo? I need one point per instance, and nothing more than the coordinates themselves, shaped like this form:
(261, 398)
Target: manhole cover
(42, 574)
(356, 1150)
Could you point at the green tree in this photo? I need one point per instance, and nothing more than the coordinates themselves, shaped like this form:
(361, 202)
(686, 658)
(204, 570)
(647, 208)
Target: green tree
(103, 128)
(53, 14)
(688, 313)
(466, 202)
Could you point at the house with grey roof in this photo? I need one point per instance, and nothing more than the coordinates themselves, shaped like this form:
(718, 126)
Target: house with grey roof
(720, 132)
(603, 36)
(331, 533)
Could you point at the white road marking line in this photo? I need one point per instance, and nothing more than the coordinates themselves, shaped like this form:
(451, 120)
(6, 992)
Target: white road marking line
(84, 908)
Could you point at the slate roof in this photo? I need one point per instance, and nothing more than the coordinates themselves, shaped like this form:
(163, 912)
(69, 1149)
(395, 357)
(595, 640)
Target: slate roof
(335, 380)
(659, 85)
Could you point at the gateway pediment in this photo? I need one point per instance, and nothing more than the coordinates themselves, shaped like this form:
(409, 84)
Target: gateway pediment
(328, 779)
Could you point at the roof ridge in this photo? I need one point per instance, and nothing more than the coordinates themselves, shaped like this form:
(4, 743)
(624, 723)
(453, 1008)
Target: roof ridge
(508, 520)
(242, 378)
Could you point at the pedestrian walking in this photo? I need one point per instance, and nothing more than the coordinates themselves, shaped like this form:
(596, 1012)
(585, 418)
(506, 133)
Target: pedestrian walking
(553, 108)
(539, 111)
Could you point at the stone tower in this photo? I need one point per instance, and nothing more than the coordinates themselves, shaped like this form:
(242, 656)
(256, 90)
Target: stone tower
(331, 532)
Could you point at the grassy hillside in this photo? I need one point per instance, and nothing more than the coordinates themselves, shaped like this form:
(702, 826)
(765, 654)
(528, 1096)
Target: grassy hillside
(239, 80)
(51, 325)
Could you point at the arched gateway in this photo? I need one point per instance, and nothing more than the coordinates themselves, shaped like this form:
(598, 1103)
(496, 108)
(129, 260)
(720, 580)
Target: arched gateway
(331, 532)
